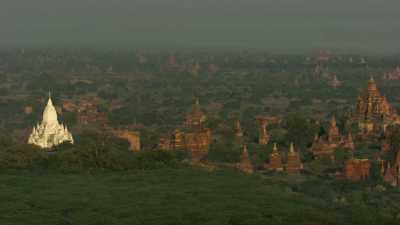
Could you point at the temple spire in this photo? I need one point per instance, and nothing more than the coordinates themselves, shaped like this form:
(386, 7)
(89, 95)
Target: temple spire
(333, 121)
(49, 101)
(238, 129)
(372, 84)
(245, 164)
(50, 132)
(275, 148)
(294, 165)
(50, 113)
(291, 147)
(196, 106)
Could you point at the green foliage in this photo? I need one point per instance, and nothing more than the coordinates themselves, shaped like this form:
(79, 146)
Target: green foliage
(103, 150)
(21, 156)
(95, 150)
(186, 196)
(341, 155)
(321, 165)
(155, 159)
(6, 141)
(70, 118)
(92, 150)
(224, 151)
(375, 175)
(156, 100)
(394, 142)
(300, 130)
(122, 115)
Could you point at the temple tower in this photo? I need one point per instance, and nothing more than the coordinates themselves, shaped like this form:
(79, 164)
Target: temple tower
(294, 165)
(333, 132)
(275, 160)
(373, 111)
(245, 162)
(389, 176)
(348, 142)
(238, 130)
(49, 132)
(196, 118)
(264, 137)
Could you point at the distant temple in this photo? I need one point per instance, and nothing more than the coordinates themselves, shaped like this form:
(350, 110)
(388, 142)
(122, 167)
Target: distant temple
(293, 162)
(373, 112)
(391, 174)
(238, 130)
(393, 75)
(326, 145)
(193, 136)
(87, 111)
(323, 56)
(50, 132)
(335, 82)
(357, 169)
(275, 160)
(245, 163)
(263, 137)
(196, 118)
(132, 137)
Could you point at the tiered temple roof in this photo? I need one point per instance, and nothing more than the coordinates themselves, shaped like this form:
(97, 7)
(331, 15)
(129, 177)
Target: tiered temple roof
(333, 132)
(373, 111)
(193, 136)
(196, 118)
(326, 145)
(275, 160)
(50, 132)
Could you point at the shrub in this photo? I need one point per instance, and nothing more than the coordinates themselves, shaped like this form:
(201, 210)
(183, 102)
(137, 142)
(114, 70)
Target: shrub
(21, 156)
(154, 159)
(223, 151)
(94, 150)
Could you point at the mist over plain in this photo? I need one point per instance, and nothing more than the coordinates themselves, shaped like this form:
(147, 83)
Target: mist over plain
(368, 26)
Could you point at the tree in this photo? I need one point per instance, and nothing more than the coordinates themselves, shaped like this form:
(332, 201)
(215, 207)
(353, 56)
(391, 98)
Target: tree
(393, 138)
(300, 130)
(21, 156)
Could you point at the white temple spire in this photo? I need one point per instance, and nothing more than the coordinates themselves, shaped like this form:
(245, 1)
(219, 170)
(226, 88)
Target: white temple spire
(50, 132)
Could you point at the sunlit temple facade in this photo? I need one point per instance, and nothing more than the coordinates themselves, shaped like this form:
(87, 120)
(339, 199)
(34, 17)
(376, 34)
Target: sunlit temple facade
(373, 111)
(50, 132)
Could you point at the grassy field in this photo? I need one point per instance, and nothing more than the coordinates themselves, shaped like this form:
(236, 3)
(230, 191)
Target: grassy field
(186, 196)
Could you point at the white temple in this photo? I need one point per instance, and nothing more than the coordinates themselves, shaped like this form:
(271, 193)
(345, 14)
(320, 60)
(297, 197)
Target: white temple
(50, 132)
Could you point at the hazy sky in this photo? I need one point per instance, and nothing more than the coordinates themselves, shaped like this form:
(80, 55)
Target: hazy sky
(272, 25)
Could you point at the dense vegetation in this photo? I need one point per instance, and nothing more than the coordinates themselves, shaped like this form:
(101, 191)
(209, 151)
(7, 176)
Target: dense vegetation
(156, 97)
(94, 150)
(188, 196)
(98, 180)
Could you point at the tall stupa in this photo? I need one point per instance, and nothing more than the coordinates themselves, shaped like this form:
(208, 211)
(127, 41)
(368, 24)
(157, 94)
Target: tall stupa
(50, 132)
